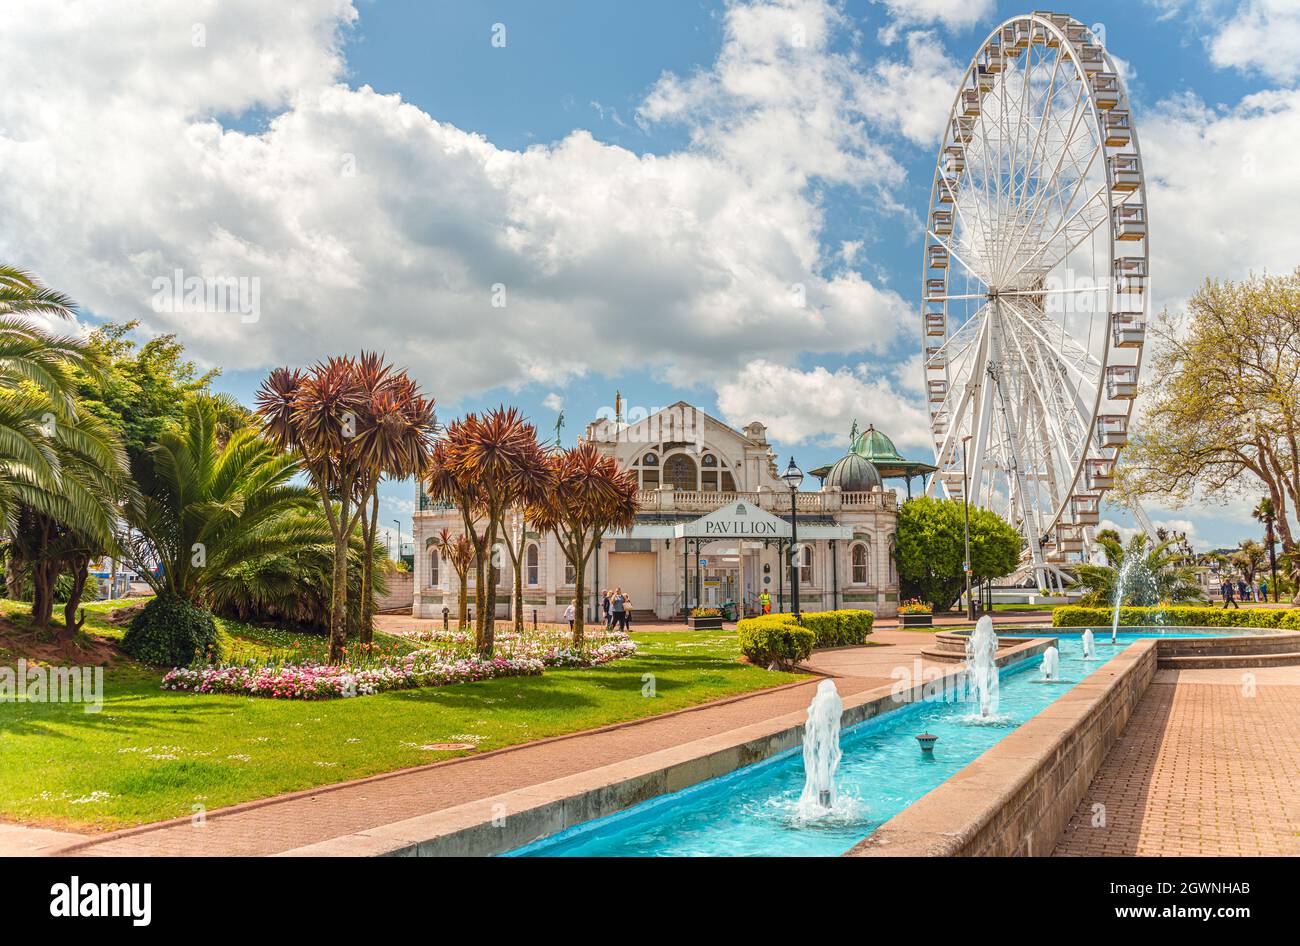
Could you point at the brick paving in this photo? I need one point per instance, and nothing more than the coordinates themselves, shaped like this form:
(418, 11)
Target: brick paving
(1205, 767)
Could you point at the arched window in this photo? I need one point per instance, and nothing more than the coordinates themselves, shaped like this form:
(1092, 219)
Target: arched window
(650, 459)
(680, 472)
(893, 563)
(435, 560)
(709, 460)
(498, 573)
(806, 565)
(531, 568)
(570, 574)
(860, 563)
(648, 470)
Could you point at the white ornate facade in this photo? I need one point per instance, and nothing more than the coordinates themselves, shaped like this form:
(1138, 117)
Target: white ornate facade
(689, 465)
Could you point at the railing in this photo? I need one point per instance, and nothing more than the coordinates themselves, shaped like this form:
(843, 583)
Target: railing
(705, 501)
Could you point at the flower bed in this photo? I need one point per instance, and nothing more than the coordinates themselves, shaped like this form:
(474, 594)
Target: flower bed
(310, 681)
(525, 656)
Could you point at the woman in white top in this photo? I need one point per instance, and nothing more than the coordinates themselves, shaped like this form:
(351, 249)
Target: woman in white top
(568, 614)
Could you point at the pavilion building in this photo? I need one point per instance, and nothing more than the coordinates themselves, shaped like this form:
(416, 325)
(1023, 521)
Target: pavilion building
(713, 524)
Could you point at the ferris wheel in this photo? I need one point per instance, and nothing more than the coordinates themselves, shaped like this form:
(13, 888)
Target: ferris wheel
(1034, 289)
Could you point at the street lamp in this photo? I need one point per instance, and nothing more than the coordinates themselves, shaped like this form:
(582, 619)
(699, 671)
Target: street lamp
(965, 512)
(398, 523)
(793, 476)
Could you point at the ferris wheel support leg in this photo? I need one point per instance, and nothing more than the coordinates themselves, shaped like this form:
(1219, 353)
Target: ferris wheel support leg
(1143, 522)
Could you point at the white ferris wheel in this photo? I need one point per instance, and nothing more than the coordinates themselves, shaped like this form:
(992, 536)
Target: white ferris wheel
(1034, 289)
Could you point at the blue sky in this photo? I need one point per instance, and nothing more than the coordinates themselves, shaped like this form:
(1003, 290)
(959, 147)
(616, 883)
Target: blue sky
(216, 153)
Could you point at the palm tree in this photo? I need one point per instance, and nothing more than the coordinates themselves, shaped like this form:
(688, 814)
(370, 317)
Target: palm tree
(206, 507)
(590, 495)
(484, 466)
(459, 551)
(352, 420)
(396, 443)
(1169, 581)
(1249, 560)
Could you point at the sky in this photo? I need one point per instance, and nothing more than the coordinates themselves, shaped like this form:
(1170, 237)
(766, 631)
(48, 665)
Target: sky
(545, 203)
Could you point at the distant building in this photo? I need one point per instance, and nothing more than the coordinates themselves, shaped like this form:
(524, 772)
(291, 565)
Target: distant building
(713, 519)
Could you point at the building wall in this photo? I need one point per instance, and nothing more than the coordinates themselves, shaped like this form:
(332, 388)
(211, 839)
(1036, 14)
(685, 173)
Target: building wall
(751, 461)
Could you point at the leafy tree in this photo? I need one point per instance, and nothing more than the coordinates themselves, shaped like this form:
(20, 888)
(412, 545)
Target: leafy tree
(930, 549)
(1160, 576)
(1225, 411)
(1250, 559)
(589, 496)
(142, 390)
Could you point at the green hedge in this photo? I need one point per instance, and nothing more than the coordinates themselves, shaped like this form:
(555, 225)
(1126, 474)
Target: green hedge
(774, 640)
(760, 637)
(1177, 616)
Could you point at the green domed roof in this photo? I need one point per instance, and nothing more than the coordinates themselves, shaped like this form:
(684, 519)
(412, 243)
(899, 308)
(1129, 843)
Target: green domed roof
(853, 474)
(872, 445)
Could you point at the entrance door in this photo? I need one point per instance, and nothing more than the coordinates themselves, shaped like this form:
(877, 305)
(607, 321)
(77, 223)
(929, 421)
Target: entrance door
(634, 572)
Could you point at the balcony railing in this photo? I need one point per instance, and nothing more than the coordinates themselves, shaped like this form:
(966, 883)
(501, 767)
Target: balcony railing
(705, 501)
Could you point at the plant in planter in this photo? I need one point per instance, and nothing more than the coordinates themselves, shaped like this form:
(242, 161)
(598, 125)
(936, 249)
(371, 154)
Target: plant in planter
(705, 618)
(916, 613)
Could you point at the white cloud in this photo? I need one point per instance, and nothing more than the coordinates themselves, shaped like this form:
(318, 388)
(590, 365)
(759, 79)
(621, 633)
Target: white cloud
(117, 172)
(553, 402)
(954, 14)
(1222, 188)
(916, 95)
(1262, 36)
(820, 406)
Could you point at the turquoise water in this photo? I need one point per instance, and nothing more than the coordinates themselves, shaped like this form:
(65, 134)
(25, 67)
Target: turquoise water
(752, 811)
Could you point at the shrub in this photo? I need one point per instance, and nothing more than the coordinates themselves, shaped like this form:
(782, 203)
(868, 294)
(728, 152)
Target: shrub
(1176, 616)
(828, 629)
(171, 632)
(775, 640)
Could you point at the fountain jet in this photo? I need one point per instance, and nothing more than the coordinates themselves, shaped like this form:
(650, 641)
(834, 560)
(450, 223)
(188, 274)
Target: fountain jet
(821, 751)
(982, 665)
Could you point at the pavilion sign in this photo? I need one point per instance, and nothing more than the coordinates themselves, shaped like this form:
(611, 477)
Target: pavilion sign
(740, 519)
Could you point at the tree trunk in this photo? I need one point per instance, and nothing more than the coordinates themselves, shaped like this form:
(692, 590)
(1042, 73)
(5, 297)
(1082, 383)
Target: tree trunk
(479, 600)
(462, 618)
(80, 573)
(579, 593)
(369, 528)
(339, 593)
(519, 593)
(44, 575)
(14, 574)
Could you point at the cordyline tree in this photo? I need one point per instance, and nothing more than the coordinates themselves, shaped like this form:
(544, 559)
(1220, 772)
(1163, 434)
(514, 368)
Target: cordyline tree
(590, 495)
(1225, 410)
(459, 552)
(485, 466)
(352, 421)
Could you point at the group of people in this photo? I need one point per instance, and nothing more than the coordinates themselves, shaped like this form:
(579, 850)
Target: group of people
(1242, 590)
(615, 607)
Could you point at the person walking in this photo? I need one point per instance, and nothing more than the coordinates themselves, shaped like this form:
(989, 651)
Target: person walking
(1263, 589)
(616, 604)
(569, 613)
(627, 613)
(1243, 590)
(1228, 595)
(765, 602)
(604, 608)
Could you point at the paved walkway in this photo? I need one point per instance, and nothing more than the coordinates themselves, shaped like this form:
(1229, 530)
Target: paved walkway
(1206, 766)
(280, 824)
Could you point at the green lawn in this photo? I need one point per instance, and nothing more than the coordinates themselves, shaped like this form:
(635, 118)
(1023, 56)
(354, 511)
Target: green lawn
(151, 754)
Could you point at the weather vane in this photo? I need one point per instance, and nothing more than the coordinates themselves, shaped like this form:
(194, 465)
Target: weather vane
(559, 425)
(853, 434)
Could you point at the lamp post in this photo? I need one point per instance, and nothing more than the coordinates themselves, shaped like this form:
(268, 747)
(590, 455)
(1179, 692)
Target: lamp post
(793, 476)
(965, 512)
(398, 523)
